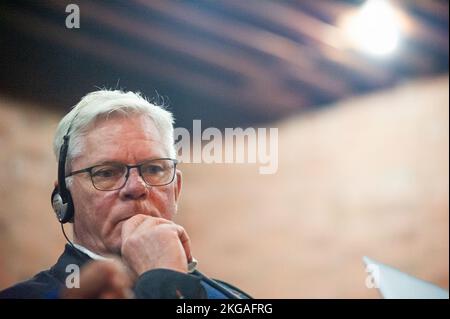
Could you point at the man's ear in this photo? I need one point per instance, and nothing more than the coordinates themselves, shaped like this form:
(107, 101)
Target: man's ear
(56, 184)
(178, 183)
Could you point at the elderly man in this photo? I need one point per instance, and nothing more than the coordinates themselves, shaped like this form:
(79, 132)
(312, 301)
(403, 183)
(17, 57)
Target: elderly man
(119, 185)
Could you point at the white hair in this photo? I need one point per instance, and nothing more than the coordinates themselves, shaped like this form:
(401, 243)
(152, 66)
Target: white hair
(103, 103)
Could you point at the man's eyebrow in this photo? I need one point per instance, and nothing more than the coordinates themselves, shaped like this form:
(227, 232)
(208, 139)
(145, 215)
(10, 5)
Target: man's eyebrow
(109, 162)
(106, 162)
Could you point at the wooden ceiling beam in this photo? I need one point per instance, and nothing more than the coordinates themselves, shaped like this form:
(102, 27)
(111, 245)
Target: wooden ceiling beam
(325, 36)
(254, 76)
(414, 28)
(126, 58)
(419, 29)
(298, 57)
(435, 8)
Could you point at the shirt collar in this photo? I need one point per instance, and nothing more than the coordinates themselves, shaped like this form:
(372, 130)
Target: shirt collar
(89, 253)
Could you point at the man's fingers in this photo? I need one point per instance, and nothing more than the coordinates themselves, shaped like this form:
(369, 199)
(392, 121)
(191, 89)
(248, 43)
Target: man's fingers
(155, 237)
(185, 241)
(132, 223)
(183, 237)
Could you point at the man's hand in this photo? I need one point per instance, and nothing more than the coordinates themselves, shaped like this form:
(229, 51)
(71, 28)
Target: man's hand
(150, 243)
(102, 280)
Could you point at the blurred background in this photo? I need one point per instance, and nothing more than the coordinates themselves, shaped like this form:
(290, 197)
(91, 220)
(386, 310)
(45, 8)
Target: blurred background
(357, 89)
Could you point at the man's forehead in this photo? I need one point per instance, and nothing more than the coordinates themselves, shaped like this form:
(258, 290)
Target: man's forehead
(147, 146)
(116, 139)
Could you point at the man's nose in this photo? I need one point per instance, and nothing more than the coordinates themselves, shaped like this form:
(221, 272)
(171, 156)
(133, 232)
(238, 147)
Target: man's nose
(135, 187)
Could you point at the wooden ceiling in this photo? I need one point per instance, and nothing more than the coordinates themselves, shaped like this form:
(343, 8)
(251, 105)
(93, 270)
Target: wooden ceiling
(227, 62)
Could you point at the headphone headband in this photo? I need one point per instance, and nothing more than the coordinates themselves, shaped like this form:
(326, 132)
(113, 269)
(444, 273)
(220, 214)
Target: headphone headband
(61, 198)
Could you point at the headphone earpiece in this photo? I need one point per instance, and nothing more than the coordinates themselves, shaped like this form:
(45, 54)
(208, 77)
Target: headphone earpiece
(64, 211)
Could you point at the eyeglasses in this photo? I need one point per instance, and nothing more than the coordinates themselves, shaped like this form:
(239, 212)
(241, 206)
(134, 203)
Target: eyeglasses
(113, 176)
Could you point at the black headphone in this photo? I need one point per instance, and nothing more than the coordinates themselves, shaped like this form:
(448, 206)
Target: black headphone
(61, 198)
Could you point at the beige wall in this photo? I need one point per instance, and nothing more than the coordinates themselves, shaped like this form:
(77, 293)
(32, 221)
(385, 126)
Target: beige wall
(29, 234)
(368, 177)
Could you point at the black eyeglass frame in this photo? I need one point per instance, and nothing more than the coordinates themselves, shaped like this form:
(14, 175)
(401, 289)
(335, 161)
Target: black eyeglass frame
(138, 166)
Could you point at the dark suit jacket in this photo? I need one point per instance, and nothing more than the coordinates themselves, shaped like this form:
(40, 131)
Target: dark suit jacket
(157, 283)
